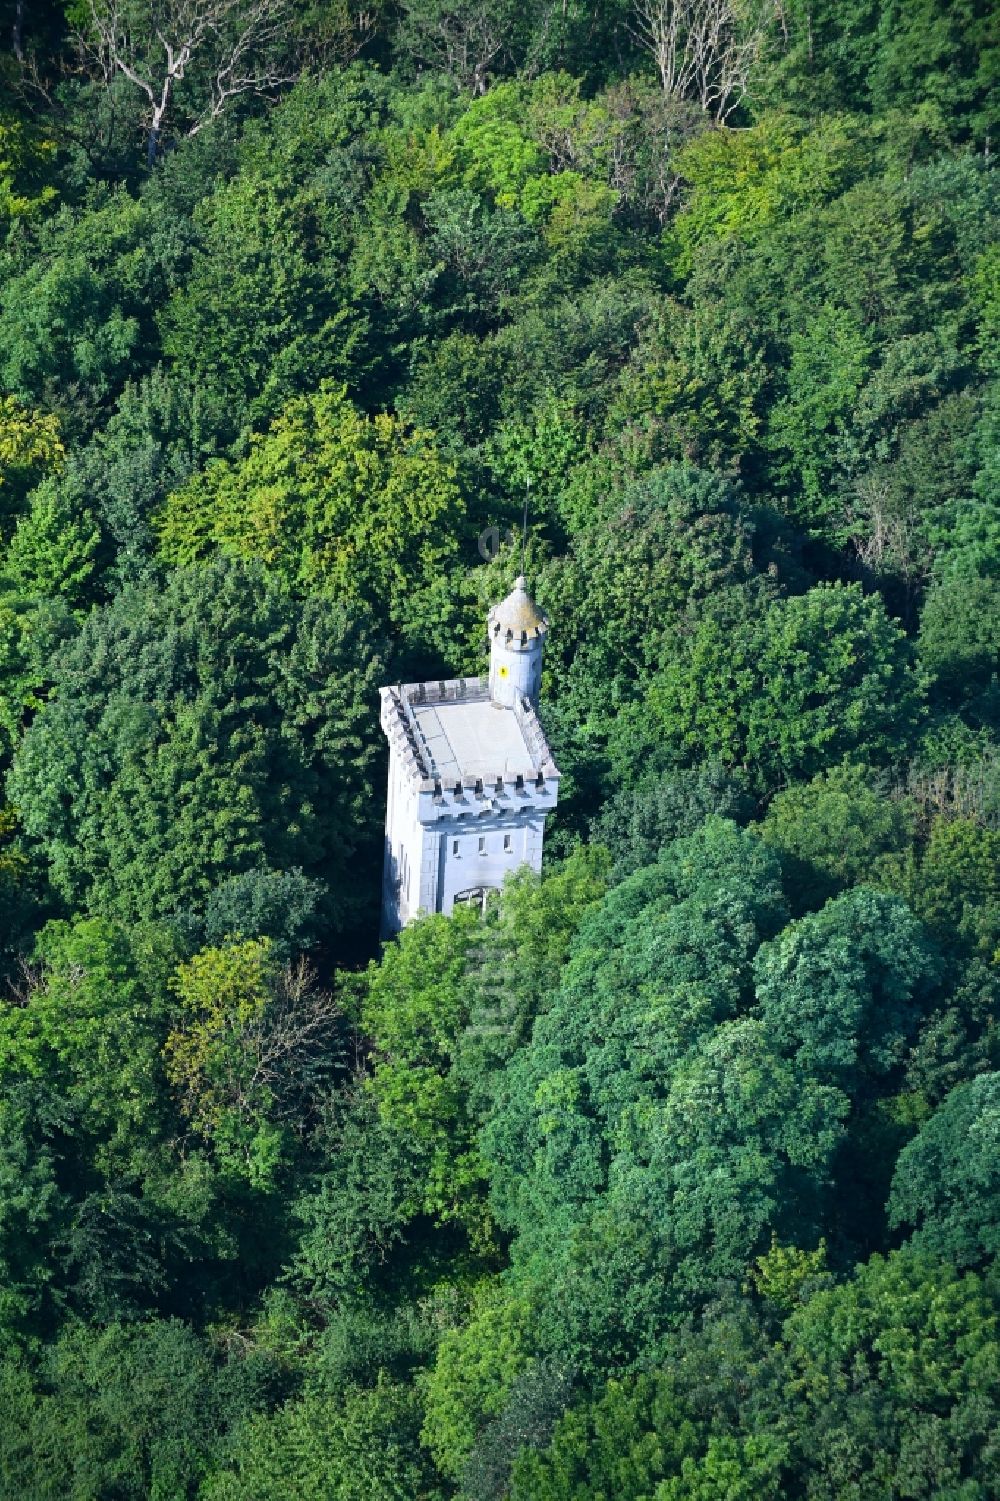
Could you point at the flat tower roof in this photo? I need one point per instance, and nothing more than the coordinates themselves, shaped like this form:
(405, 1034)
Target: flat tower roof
(478, 739)
(450, 732)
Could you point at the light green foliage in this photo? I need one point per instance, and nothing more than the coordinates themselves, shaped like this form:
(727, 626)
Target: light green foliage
(363, 1446)
(25, 170)
(893, 1371)
(741, 182)
(783, 1271)
(794, 688)
(516, 964)
(986, 290)
(416, 1004)
(91, 1028)
(449, 1003)
(252, 1050)
(475, 1368)
(634, 1433)
(644, 1437)
(146, 697)
(493, 150)
(363, 509)
(30, 446)
(216, 1055)
(55, 550)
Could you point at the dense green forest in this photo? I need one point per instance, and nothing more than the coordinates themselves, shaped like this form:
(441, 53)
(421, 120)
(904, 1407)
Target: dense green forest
(676, 1177)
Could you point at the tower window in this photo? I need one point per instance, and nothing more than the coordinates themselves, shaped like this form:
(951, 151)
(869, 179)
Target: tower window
(482, 844)
(506, 841)
(454, 846)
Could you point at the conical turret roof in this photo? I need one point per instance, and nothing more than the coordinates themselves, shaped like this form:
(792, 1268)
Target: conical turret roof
(518, 615)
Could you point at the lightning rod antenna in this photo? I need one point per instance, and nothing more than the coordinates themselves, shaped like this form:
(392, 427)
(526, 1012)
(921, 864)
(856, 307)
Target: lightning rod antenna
(524, 523)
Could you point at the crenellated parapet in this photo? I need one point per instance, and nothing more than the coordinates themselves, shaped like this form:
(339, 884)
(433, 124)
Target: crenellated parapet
(471, 775)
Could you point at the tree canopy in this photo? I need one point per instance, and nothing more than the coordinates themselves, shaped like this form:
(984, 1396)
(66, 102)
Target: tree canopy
(671, 1175)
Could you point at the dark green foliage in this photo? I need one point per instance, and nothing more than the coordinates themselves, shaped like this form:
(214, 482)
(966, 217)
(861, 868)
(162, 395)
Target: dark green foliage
(598, 1198)
(841, 828)
(892, 1373)
(284, 906)
(360, 1205)
(161, 431)
(793, 689)
(535, 1402)
(77, 303)
(842, 991)
(638, 822)
(601, 1104)
(946, 1183)
(130, 1410)
(218, 685)
(897, 1372)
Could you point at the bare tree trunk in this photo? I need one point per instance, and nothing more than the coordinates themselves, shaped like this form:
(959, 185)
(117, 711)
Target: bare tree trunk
(17, 31)
(153, 142)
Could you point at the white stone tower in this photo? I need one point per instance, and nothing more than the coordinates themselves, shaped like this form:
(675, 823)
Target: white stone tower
(471, 776)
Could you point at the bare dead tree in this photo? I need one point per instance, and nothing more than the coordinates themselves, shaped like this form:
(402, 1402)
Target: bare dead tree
(649, 126)
(277, 1061)
(292, 1044)
(704, 49)
(25, 983)
(954, 791)
(236, 47)
(464, 40)
(884, 538)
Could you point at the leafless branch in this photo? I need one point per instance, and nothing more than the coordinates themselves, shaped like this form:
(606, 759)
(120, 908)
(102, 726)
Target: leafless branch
(704, 49)
(299, 1023)
(240, 46)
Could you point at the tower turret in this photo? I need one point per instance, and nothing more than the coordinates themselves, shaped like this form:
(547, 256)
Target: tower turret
(517, 631)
